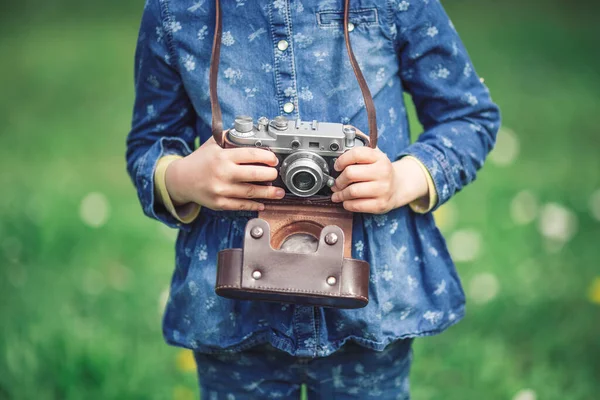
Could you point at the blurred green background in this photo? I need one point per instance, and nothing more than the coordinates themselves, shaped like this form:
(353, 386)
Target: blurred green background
(83, 274)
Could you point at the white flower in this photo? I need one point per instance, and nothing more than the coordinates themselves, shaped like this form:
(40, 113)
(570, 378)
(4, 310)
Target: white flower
(387, 275)
(267, 67)
(279, 5)
(193, 287)
(203, 253)
(471, 99)
(250, 92)
(203, 32)
(233, 75)
(412, 282)
(227, 39)
(393, 227)
(454, 49)
(302, 40)
(153, 80)
(380, 220)
(305, 94)
(289, 92)
(173, 26)
(432, 31)
(380, 74)
(440, 72)
(189, 62)
(387, 307)
(392, 113)
(160, 34)
(433, 316)
(443, 73)
(320, 55)
(403, 6)
(240, 3)
(467, 70)
(151, 111)
(209, 303)
(359, 246)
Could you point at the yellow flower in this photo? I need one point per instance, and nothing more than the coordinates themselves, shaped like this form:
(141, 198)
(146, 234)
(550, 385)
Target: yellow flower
(594, 292)
(185, 361)
(183, 393)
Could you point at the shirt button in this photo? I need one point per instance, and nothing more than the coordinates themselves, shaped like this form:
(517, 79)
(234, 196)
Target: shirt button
(288, 107)
(350, 26)
(283, 45)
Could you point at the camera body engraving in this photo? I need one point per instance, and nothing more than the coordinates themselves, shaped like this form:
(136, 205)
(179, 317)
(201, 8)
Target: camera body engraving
(306, 150)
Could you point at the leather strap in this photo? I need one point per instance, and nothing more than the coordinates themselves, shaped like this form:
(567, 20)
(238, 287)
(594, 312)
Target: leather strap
(217, 117)
(364, 88)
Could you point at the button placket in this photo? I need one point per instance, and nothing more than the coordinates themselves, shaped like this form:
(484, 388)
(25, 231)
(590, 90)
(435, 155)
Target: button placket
(284, 68)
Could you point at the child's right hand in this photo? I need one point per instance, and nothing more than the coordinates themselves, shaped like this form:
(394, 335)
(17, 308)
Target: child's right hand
(218, 178)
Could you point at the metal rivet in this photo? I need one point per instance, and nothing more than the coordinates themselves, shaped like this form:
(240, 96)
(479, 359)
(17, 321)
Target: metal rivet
(350, 26)
(288, 107)
(331, 280)
(282, 45)
(331, 238)
(256, 274)
(256, 232)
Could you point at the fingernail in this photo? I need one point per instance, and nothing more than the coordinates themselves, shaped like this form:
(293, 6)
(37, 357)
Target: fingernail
(335, 197)
(280, 193)
(335, 166)
(261, 207)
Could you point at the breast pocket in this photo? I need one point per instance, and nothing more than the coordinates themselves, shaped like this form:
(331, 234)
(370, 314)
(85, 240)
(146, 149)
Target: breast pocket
(358, 17)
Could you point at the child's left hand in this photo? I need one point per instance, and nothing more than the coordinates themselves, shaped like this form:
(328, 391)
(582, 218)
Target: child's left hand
(371, 183)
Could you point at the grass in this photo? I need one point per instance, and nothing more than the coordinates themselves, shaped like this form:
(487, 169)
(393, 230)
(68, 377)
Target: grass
(80, 306)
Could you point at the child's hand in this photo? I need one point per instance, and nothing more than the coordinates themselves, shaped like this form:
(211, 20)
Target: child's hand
(371, 183)
(218, 179)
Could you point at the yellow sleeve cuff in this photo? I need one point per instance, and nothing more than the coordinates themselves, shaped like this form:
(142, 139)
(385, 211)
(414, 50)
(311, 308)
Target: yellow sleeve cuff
(425, 203)
(185, 213)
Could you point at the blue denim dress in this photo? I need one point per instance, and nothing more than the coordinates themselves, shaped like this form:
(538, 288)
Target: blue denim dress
(292, 51)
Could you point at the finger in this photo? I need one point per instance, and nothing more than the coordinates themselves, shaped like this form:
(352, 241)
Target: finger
(225, 203)
(253, 173)
(252, 155)
(249, 191)
(362, 190)
(358, 155)
(352, 174)
(371, 206)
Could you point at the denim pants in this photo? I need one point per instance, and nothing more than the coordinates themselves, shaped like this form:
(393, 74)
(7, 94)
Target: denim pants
(264, 372)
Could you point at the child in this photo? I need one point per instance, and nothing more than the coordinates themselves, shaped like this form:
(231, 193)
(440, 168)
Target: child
(287, 57)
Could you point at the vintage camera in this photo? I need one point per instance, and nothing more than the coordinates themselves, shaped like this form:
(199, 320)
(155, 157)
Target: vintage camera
(306, 150)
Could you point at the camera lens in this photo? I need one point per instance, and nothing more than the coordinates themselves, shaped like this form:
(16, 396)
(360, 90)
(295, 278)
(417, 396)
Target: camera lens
(304, 181)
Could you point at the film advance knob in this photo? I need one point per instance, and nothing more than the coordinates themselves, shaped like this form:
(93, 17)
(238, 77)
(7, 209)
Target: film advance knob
(243, 124)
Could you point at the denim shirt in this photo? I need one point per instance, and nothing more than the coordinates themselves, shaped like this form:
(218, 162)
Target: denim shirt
(401, 45)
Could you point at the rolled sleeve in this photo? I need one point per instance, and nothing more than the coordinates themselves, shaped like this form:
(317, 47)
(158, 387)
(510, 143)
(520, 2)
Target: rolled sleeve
(144, 179)
(454, 106)
(163, 118)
